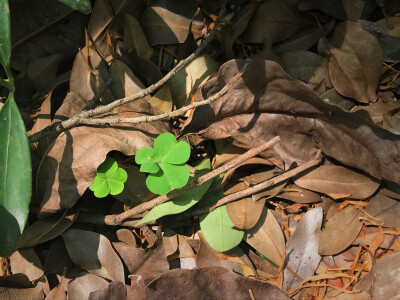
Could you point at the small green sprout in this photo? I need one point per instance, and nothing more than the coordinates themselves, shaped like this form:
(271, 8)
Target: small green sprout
(109, 179)
(165, 163)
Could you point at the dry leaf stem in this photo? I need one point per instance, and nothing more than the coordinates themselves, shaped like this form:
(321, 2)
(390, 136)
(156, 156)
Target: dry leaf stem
(118, 219)
(88, 114)
(255, 189)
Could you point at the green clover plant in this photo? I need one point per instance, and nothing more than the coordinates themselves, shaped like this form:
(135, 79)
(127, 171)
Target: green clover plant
(109, 179)
(165, 163)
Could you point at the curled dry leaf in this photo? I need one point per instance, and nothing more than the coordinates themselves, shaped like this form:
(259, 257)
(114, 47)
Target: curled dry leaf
(58, 293)
(302, 252)
(354, 69)
(94, 253)
(340, 231)
(267, 237)
(265, 102)
(331, 179)
(70, 164)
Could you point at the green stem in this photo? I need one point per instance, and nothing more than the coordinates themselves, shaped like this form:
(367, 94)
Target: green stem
(7, 84)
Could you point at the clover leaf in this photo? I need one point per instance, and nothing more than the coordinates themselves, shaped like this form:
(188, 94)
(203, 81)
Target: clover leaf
(165, 163)
(109, 179)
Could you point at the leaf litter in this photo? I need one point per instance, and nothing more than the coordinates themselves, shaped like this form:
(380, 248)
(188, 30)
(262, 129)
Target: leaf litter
(327, 233)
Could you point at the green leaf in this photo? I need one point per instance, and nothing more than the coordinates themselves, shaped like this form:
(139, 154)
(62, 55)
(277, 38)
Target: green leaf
(109, 179)
(168, 150)
(144, 155)
(5, 37)
(15, 176)
(182, 202)
(217, 230)
(83, 6)
(166, 163)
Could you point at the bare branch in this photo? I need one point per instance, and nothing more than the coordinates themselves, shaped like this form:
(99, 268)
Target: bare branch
(255, 189)
(75, 120)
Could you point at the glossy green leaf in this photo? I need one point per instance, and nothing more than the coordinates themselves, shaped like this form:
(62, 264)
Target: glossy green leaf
(83, 6)
(218, 230)
(15, 176)
(5, 36)
(183, 202)
(109, 179)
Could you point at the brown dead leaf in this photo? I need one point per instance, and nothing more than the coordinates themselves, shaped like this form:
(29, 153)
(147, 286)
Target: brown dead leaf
(331, 179)
(70, 165)
(26, 261)
(89, 76)
(166, 23)
(114, 291)
(94, 253)
(147, 263)
(201, 284)
(265, 103)
(354, 69)
(340, 231)
(58, 293)
(267, 237)
(274, 20)
(385, 208)
(234, 259)
(81, 287)
(299, 195)
(31, 294)
(309, 68)
(385, 279)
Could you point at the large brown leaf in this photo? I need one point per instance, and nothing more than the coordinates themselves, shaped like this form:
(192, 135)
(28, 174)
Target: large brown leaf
(94, 253)
(354, 69)
(70, 164)
(81, 287)
(331, 180)
(208, 283)
(302, 252)
(265, 102)
(385, 279)
(340, 231)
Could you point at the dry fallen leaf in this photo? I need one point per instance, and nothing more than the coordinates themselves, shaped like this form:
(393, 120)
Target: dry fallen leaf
(332, 179)
(340, 231)
(302, 253)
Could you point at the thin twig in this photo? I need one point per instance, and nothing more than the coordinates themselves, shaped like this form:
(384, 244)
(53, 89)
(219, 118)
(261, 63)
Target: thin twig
(118, 219)
(255, 189)
(176, 113)
(75, 120)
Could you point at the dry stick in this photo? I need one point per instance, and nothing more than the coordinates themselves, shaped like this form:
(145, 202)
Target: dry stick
(118, 219)
(255, 189)
(77, 119)
(179, 112)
